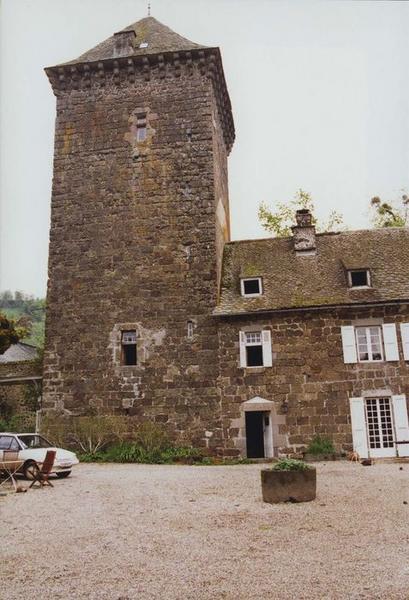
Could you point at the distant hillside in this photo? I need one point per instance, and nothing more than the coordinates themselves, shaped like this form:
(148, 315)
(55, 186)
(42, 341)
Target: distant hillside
(17, 304)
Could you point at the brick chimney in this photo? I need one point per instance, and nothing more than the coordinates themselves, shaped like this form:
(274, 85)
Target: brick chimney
(304, 233)
(124, 43)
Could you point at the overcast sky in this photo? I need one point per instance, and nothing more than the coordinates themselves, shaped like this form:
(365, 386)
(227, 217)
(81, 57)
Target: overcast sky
(319, 90)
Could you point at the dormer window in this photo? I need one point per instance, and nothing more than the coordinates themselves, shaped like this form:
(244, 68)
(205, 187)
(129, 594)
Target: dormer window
(359, 278)
(251, 287)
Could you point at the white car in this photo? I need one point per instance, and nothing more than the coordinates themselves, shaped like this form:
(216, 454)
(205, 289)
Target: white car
(32, 448)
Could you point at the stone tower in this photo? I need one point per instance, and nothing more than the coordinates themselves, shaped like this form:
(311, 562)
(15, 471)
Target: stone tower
(139, 219)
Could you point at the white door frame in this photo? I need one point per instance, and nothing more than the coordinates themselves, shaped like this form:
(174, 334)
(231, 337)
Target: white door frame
(266, 407)
(375, 410)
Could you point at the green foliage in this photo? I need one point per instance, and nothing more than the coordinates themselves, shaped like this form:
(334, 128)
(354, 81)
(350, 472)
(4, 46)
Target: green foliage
(320, 445)
(127, 452)
(92, 434)
(385, 214)
(27, 309)
(279, 221)
(21, 423)
(11, 331)
(151, 437)
(290, 464)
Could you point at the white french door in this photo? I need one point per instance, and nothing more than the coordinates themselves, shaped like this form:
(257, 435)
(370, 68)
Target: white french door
(380, 427)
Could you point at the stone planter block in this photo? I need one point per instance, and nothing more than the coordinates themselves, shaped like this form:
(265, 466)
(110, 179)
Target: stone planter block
(288, 486)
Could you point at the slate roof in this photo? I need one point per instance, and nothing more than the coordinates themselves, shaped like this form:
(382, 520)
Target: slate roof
(159, 38)
(18, 353)
(293, 281)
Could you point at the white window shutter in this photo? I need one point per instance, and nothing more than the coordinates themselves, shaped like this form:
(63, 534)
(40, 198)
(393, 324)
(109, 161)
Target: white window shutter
(348, 344)
(358, 424)
(242, 340)
(404, 332)
(267, 353)
(390, 341)
(400, 413)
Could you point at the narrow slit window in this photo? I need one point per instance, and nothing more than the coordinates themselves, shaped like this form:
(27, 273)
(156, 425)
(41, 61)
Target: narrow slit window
(190, 330)
(251, 286)
(129, 353)
(359, 278)
(141, 128)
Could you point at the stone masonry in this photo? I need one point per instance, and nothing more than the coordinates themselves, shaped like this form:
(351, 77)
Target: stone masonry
(137, 232)
(309, 382)
(140, 247)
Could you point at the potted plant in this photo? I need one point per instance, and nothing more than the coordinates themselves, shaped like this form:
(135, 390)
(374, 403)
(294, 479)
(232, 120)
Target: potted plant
(320, 448)
(289, 480)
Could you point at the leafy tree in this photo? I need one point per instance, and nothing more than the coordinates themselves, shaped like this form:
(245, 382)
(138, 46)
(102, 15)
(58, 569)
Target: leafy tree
(11, 331)
(280, 221)
(385, 214)
(17, 305)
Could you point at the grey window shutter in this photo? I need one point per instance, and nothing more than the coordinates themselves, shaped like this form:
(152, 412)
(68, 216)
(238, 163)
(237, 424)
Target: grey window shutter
(348, 344)
(404, 332)
(400, 414)
(358, 424)
(390, 341)
(267, 352)
(242, 342)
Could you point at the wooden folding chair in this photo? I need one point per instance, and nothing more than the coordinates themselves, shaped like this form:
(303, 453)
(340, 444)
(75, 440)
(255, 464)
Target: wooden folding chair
(41, 475)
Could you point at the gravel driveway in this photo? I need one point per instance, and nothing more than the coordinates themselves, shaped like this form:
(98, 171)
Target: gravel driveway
(183, 532)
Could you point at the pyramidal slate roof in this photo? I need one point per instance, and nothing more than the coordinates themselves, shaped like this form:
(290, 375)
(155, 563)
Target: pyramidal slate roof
(292, 281)
(155, 38)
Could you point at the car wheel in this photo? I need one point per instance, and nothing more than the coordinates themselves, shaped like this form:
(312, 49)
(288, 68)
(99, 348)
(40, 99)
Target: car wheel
(30, 468)
(63, 474)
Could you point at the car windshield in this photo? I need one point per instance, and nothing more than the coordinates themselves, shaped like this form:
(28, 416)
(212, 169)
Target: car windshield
(31, 440)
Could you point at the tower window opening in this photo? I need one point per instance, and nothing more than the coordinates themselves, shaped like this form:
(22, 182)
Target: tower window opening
(190, 330)
(128, 348)
(141, 128)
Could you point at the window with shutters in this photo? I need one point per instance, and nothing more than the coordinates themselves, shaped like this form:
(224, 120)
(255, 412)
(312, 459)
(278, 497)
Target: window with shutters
(251, 286)
(128, 348)
(255, 348)
(369, 344)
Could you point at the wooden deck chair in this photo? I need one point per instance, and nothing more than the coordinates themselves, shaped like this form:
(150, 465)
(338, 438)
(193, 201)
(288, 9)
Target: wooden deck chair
(41, 475)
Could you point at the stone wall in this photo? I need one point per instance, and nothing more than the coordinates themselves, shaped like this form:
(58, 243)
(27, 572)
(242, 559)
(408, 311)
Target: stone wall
(134, 243)
(16, 397)
(309, 382)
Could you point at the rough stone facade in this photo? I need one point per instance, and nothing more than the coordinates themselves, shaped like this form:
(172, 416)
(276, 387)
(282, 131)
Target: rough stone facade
(138, 242)
(309, 382)
(137, 231)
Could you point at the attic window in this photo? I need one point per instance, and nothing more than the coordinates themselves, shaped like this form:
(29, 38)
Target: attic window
(141, 128)
(128, 348)
(143, 45)
(359, 278)
(251, 286)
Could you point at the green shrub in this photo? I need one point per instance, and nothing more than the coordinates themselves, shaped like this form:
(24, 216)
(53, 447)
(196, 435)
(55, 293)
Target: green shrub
(320, 445)
(151, 437)
(290, 464)
(20, 423)
(127, 452)
(94, 433)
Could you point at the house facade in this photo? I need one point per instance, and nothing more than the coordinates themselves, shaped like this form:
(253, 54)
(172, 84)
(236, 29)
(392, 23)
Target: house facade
(245, 348)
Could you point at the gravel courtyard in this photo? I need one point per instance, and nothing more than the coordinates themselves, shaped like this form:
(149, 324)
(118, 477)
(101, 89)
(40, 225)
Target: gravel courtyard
(128, 532)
